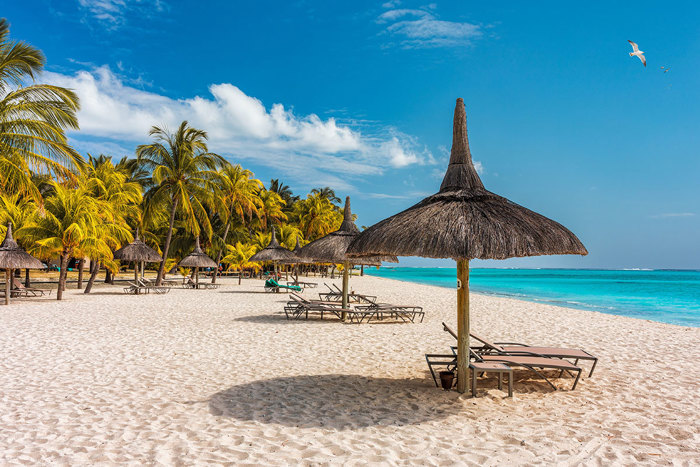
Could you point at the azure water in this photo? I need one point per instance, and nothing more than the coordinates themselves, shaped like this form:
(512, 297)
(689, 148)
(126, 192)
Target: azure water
(659, 295)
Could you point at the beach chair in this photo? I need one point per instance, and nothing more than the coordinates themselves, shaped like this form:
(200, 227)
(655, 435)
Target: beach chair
(20, 289)
(271, 285)
(336, 294)
(298, 307)
(406, 313)
(476, 364)
(135, 289)
(524, 349)
(151, 285)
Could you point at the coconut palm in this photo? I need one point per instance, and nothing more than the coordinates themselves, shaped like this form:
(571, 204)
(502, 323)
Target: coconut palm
(326, 192)
(33, 119)
(317, 216)
(287, 235)
(238, 256)
(68, 223)
(283, 190)
(271, 211)
(183, 174)
(238, 196)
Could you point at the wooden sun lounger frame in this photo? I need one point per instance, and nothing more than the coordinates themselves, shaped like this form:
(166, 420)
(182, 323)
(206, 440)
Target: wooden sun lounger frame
(19, 290)
(337, 295)
(298, 307)
(149, 286)
(405, 313)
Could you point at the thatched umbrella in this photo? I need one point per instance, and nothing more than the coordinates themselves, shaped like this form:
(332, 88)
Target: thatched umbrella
(138, 252)
(275, 253)
(333, 249)
(197, 259)
(464, 221)
(14, 257)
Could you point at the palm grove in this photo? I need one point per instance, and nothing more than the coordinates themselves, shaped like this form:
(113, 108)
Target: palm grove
(65, 205)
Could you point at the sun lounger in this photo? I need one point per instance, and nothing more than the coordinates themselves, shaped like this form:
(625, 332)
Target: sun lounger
(20, 290)
(404, 312)
(151, 286)
(477, 366)
(523, 349)
(337, 295)
(135, 289)
(304, 285)
(298, 307)
(271, 285)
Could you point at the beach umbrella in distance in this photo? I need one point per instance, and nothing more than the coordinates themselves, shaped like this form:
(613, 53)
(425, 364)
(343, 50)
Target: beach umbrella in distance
(197, 259)
(14, 257)
(333, 249)
(138, 252)
(275, 253)
(464, 221)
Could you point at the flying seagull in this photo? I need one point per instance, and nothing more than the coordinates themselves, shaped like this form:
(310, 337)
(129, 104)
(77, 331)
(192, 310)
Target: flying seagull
(665, 68)
(637, 53)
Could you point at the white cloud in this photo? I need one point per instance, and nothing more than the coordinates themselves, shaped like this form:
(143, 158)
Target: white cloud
(421, 28)
(320, 151)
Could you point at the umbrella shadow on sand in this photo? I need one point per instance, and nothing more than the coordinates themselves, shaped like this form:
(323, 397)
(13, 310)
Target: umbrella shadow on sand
(334, 401)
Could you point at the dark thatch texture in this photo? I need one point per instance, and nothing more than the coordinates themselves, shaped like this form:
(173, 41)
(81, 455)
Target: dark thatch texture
(466, 221)
(14, 257)
(299, 259)
(274, 252)
(198, 259)
(332, 248)
(137, 251)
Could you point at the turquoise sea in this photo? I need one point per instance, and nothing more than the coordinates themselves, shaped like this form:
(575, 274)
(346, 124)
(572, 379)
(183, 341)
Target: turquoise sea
(668, 296)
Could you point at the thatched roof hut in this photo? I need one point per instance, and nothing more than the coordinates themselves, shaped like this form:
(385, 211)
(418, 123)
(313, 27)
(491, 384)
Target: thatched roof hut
(14, 257)
(274, 252)
(333, 247)
(198, 259)
(299, 259)
(464, 221)
(137, 251)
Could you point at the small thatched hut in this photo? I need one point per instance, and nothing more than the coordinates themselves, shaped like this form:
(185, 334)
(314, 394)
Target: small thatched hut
(197, 259)
(333, 249)
(138, 252)
(464, 221)
(14, 257)
(275, 253)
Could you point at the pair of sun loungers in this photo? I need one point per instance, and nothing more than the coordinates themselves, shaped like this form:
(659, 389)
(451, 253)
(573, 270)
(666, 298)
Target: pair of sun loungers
(336, 294)
(299, 307)
(188, 283)
(143, 286)
(19, 290)
(513, 354)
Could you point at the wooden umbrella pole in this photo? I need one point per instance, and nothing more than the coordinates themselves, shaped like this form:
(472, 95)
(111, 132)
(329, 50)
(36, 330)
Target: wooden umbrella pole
(345, 288)
(8, 274)
(196, 278)
(462, 325)
(136, 272)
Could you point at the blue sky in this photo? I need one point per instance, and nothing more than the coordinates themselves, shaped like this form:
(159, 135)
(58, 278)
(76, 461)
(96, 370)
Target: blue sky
(359, 96)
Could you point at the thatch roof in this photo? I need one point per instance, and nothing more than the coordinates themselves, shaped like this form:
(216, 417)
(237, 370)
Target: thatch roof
(14, 257)
(137, 251)
(332, 248)
(198, 259)
(296, 251)
(274, 252)
(466, 221)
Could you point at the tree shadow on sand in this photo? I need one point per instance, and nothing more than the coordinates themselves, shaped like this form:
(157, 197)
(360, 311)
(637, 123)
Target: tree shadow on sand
(334, 401)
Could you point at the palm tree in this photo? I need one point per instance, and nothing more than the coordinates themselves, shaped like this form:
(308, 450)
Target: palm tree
(108, 183)
(283, 190)
(16, 209)
(239, 256)
(184, 174)
(238, 197)
(287, 235)
(33, 119)
(271, 211)
(317, 216)
(326, 192)
(68, 223)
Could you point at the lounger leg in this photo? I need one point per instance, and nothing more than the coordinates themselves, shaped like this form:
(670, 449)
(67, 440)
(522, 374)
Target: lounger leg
(500, 380)
(510, 384)
(595, 362)
(576, 382)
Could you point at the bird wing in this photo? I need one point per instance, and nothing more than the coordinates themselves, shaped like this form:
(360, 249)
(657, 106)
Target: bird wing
(634, 46)
(643, 59)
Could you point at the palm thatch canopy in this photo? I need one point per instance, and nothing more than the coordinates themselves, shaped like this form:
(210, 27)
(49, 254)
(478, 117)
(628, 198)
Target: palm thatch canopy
(14, 257)
(333, 247)
(198, 259)
(466, 221)
(299, 259)
(138, 251)
(274, 252)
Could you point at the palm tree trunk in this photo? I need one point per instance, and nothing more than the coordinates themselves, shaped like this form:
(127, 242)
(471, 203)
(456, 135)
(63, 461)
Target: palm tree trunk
(240, 275)
(95, 265)
(166, 247)
(218, 258)
(81, 264)
(27, 281)
(62, 275)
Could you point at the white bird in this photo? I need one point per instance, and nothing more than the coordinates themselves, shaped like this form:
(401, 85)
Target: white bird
(637, 53)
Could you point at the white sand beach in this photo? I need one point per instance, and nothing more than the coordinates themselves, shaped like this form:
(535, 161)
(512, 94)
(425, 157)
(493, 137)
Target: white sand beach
(220, 376)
